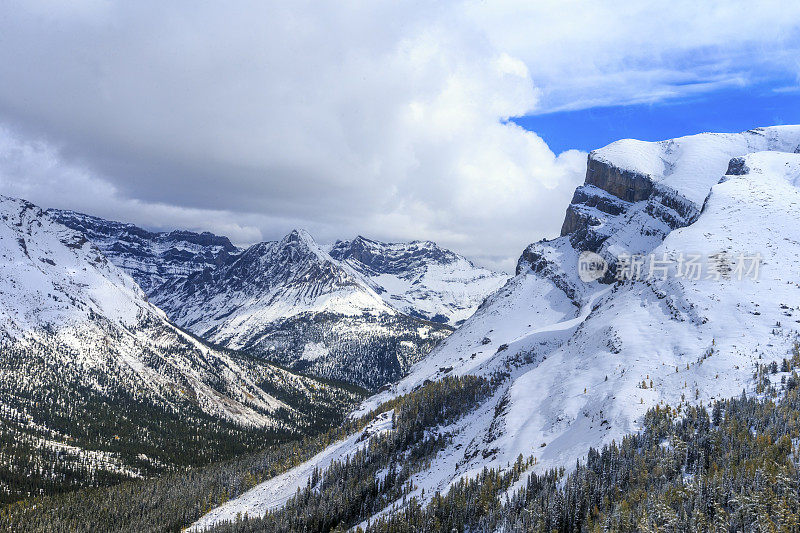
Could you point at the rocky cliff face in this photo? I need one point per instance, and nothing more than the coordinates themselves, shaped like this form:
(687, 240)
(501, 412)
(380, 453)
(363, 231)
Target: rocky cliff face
(151, 258)
(609, 194)
(636, 193)
(627, 185)
(585, 199)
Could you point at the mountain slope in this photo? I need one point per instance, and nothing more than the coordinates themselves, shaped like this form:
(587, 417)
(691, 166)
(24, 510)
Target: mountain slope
(578, 364)
(96, 385)
(633, 331)
(292, 303)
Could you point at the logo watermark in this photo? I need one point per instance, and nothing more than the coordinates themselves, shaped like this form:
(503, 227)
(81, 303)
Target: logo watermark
(591, 266)
(693, 267)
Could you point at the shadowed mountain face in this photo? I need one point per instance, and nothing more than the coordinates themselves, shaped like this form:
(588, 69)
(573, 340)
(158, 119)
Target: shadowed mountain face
(151, 258)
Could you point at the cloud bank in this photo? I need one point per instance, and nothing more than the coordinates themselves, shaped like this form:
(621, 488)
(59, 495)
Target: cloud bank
(377, 118)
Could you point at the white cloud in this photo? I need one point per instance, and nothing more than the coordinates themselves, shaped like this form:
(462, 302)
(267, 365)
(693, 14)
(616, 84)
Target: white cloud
(379, 118)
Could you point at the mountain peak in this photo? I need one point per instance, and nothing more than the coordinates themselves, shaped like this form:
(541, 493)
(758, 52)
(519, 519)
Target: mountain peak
(299, 234)
(381, 257)
(419, 278)
(303, 239)
(292, 302)
(360, 240)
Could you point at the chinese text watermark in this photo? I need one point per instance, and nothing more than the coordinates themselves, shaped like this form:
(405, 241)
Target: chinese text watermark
(692, 267)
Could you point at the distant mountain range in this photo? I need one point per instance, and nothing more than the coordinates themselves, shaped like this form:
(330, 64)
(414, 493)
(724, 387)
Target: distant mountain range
(360, 311)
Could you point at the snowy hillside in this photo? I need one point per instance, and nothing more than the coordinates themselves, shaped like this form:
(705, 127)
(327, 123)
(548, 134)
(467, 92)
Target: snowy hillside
(77, 336)
(420, 278)
(54, 277)
(577, 364)
(275, 492)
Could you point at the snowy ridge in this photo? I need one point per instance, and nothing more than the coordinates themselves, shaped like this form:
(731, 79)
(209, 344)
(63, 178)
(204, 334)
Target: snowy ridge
(269, 281)
(582, 362)
(691, 165)
(637, 192)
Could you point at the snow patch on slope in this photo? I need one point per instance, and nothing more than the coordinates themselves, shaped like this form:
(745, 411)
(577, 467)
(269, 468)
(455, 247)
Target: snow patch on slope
(275, 492)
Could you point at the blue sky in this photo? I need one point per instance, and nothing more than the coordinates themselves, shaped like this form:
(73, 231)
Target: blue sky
(730, 109)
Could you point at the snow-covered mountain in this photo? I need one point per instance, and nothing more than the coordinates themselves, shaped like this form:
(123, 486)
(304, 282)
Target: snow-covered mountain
(420, 278)
(97, 381)
(290, 301)
(360, 311)
(577, 364)
(150, 258)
